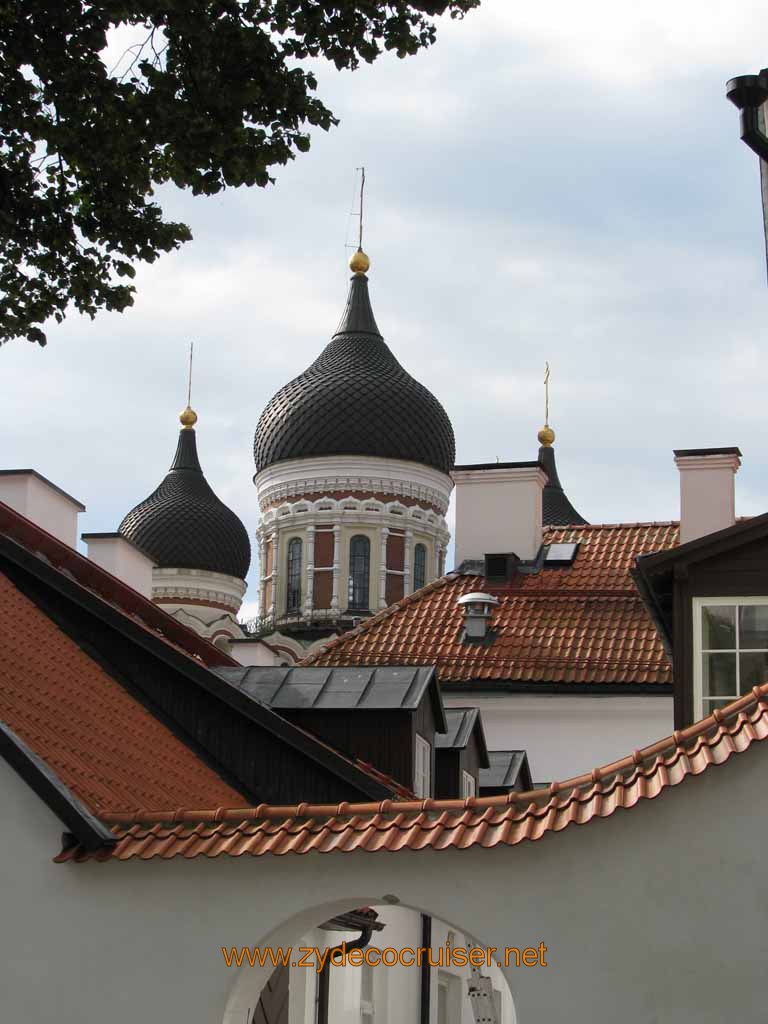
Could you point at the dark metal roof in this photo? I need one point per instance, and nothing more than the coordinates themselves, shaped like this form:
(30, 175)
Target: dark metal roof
(556, 508)
(498, 465)
(183, 525)
(355, 399)
(462, 723)
(508, 768)
(344, 689)
(684, 452)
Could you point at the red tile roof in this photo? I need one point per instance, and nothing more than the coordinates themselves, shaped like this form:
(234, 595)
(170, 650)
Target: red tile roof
(441, 824)
(106, 587)
(100, 742)
(583, 623)
(144, 759)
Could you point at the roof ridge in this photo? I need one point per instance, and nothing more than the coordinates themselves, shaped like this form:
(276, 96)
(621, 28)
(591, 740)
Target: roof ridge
(684, 743)
(612, 526)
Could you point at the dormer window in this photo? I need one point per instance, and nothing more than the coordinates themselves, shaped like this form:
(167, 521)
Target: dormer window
(730, 649)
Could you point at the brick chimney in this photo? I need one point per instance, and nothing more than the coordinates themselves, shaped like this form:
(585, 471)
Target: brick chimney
(36, 498)
(498, 509)
(707, 492)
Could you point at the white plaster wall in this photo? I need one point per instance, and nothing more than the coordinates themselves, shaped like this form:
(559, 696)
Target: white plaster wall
(656, 915)
(253, 652)
(565, 736)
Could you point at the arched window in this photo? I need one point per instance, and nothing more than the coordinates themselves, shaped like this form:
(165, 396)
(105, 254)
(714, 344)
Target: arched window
(359, 572)
(419, 566)
(293, 599)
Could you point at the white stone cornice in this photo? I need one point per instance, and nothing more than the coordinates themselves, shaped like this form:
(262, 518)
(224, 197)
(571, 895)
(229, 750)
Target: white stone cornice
(177, 586)
(323, 475)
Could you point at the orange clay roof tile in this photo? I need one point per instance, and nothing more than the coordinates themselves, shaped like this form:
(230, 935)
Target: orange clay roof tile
(108, 588)
(440, 824)
(583, 623)
(98, 740)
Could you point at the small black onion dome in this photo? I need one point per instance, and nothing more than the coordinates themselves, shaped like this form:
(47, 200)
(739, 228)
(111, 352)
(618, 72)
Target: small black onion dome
(355, 399)
(556, 508)
(183, 525)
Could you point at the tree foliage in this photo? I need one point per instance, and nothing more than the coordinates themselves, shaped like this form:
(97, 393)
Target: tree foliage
(213, 96)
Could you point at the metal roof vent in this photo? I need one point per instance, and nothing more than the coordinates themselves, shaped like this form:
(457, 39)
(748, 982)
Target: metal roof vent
(477, 609)
(500, 568)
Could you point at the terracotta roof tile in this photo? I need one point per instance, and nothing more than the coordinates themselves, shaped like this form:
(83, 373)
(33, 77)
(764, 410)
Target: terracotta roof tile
(583, 623)
(106, 587)
(441, 824)
(100, 742)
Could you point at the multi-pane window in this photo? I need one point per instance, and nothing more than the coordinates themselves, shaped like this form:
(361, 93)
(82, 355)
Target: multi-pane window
(422, 776)
(359, 572)
(731, 636)
(468, 786)
(419, 566)
(293, 599)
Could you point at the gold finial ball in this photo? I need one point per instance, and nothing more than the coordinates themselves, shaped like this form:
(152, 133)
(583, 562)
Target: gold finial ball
(546, 436)
(188, 418)
(359, 263)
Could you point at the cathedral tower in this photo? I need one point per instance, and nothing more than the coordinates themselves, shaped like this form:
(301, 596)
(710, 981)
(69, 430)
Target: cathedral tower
(353, 461)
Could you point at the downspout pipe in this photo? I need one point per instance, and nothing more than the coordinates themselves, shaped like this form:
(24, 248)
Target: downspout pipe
(748, 93)
(324, 980)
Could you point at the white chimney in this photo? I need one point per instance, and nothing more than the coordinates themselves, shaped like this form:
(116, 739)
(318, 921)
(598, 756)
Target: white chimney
(707, 492)
(498, 509)
(36, 498)
(122, 558)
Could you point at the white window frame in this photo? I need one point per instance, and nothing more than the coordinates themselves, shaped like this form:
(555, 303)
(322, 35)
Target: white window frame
(451, 985)
(699, 604)
(422, 769)
(468, 785)
(367, 1006)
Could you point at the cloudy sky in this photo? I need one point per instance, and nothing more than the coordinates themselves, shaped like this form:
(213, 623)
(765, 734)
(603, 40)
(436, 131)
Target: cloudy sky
(559, 181)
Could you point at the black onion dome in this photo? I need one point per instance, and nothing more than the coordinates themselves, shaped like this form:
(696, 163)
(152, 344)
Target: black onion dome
(355, 399)
(183, 525)
(556, 508)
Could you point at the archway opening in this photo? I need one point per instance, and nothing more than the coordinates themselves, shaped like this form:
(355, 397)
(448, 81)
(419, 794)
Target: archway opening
(363, 962)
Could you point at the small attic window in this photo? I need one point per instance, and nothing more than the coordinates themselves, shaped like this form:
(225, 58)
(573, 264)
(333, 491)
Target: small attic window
(561, 554)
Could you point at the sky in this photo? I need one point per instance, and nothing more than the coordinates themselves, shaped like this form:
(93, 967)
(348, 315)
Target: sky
(558, 182)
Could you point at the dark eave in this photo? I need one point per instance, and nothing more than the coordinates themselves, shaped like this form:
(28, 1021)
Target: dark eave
(86, 828)
(196, 673)
(708, 546)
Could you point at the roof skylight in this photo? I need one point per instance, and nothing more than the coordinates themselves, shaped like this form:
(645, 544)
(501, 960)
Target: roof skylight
(561, 554)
